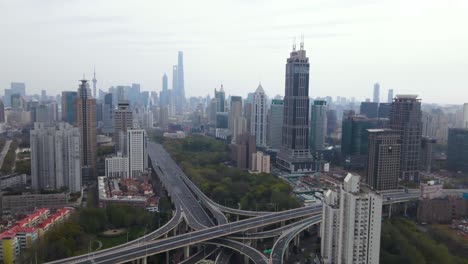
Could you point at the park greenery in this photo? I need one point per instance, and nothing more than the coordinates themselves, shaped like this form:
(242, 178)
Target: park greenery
(9, 159)
(82, 232)
(204, 160)
(404, 243)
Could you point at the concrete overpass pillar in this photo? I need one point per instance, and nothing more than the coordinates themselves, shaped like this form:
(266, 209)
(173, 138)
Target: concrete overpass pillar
(246, 259)
(143, 260)
(283, 223)
(406, 207)
(237, 217)
(186, 252)
(390, 211)
(286, 253)
(167, 257)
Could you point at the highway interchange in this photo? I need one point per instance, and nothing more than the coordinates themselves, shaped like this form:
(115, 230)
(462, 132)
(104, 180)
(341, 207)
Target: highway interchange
(210, 226)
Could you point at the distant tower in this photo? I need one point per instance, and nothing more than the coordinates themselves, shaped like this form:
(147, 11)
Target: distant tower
(390, 96)
(258, 120)
(94, 84)
(180, 83)
(294, 155)
(376, 93)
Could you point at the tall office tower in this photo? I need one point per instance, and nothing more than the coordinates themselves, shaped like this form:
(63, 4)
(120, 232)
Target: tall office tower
(85, 110)
(15, 88)
(108, 114)
(369, 109)
(383, 164)
(465, 115)
(175, 76)
(318, 125)
(55, 157)
(2, 112)
(239, 128)
(17, 102)
(235, 111)
(163, 117)
(165, 93)
(275, 124)
(258, 120)
(351, 224)
(136, 152)
(405, 117)
(390, 96)
(376, 98)
(220, 97)
(212, 110)
(332, 121)
(248, 112)
(294, 155)
(180, 89)
(384, 110)
(123, 120)
(44, 97)
(457, 154)
(427, 147)
(94, 84)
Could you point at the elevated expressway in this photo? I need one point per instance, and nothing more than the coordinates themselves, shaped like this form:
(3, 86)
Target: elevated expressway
(214, 232)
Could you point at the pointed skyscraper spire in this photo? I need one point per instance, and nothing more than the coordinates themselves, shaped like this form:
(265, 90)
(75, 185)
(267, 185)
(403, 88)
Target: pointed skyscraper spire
(94, 83)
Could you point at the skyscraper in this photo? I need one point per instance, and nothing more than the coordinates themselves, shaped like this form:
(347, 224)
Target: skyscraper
(383, 165)
(294, 155)
(258, 120)
(123, 120)
(94, 84)
(180, 91)
(457, 154)
(220, 97)
(108, 114)
(55, 157)
(390, 96)
(318, 125)
(376, 98)
(235, 111)
(275, 124)
(68, 106)
(405, 117)
(165, 93)
(136, 152)
(351, 224)
(85, 109)
(369, 109)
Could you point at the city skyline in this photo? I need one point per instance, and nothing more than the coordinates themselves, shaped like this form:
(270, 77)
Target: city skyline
(342, 39)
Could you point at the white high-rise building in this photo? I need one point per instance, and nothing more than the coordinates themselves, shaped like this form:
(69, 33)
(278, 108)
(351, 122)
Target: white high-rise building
(55, 157)
(116, 167)
(136, 152)
(351, 224)
(258, 119)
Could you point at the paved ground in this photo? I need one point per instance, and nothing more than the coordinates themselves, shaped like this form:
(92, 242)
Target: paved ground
(4, 151)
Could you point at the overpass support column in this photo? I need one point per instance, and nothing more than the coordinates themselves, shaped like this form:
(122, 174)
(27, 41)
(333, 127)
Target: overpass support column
(283, 223)
(246, 259)
(143, 260)
(406, 207)
(167, 257)
(286, 253)
(390, 211)
(186, 252)
(237, 217)
(297, 239)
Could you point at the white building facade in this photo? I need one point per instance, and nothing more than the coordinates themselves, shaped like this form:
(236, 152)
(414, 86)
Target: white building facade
(136, 152)
(260, 162)
(116, 167)
(258, 119)
(55, 157)
(351, 224)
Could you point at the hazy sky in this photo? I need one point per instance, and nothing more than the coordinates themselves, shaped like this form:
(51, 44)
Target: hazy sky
(412, 46)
